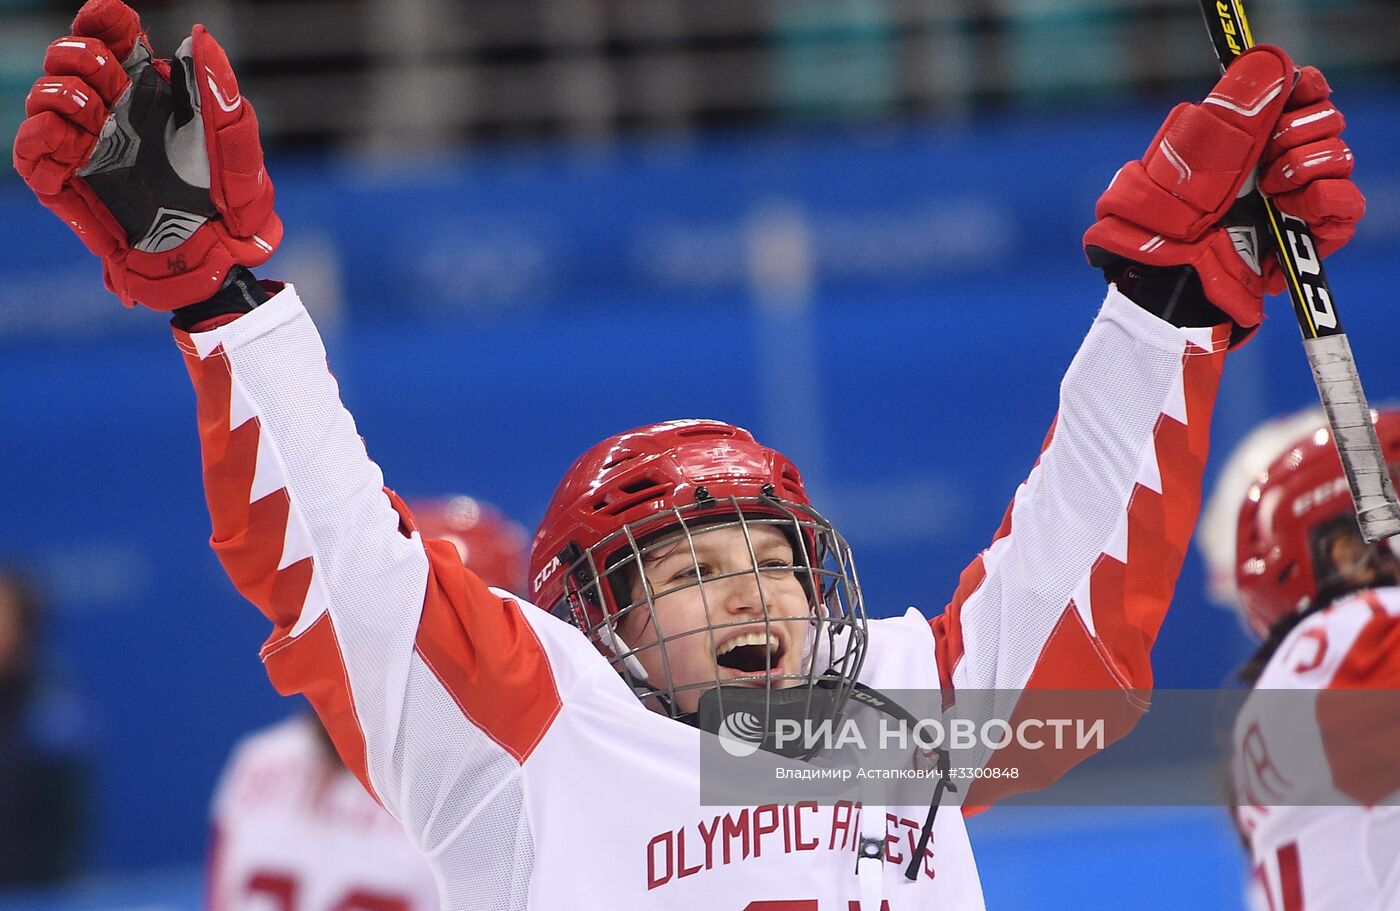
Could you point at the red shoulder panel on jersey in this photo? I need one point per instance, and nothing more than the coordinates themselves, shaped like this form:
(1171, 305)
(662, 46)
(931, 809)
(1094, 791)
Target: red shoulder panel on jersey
(1361, 729)
(485, 653)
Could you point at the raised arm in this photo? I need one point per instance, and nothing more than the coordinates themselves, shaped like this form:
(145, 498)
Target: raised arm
(1078, 577)
(368, 620)
(1076, 583)
(434, 687)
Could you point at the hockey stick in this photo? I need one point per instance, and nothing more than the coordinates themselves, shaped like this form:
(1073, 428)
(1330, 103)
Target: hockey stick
(1329, 353)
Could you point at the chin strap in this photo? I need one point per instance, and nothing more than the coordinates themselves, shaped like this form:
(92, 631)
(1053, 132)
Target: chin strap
(876, 699)
(911, 872)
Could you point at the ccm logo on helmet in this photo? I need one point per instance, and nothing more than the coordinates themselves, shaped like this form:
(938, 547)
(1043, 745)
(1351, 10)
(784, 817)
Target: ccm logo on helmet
(1318, 495)
(549, 570)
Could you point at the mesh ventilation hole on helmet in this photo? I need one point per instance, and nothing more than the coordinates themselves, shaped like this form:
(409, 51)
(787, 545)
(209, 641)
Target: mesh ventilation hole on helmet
(703, 431)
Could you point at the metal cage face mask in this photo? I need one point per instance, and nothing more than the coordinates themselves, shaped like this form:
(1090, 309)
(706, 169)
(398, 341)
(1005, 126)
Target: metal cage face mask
(705, 611)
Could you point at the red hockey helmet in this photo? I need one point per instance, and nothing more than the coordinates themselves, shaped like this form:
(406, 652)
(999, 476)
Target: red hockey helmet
(654, 485)
(491, 545)
(1220, 514)
(1286, 518)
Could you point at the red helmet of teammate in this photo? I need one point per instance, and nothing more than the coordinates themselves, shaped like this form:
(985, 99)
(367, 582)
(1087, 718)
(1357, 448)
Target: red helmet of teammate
(661, 482)
(1290, 512)
(491, 545)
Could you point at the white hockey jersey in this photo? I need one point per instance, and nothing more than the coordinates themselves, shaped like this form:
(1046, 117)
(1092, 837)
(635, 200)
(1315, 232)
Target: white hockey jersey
(293, 830)
(518, 760)
(1305, 734)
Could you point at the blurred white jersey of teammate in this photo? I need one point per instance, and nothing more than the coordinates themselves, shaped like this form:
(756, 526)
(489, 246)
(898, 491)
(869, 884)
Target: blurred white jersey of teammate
(1344, 857)
(293, 830)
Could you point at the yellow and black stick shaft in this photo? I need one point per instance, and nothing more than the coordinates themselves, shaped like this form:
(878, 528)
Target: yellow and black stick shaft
(1329, 352)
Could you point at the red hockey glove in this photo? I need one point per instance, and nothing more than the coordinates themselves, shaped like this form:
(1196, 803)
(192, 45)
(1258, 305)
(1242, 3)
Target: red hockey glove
(1306, 169)
(1173, 207)
(155, 164)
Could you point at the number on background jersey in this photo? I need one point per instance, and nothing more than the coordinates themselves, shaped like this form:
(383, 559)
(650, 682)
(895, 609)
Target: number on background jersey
(1289, 891)
(362, 900)
(804, 904)
(282, 890)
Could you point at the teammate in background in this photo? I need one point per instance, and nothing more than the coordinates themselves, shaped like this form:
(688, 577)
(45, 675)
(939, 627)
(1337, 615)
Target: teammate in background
(1315, 772)
(548, 758)
(1220, 517)
(293, 829)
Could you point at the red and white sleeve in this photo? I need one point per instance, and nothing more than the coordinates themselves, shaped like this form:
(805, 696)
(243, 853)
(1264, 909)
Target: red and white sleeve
(1076, 582)
(434, 687)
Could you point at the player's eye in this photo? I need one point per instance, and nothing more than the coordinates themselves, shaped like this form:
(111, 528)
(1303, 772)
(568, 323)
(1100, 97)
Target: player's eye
(692, 571)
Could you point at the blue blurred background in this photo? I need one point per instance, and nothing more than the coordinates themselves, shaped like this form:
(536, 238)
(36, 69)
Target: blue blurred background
(851, 226)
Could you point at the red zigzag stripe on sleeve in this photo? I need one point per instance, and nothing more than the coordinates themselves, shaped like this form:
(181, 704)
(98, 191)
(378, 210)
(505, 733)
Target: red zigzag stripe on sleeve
(1159, 530)
(248, 539)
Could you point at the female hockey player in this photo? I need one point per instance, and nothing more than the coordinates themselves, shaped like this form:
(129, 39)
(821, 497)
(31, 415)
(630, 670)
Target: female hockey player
(683, 562)
(1315, 772)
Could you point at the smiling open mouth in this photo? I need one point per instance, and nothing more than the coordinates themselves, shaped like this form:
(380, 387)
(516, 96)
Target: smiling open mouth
(751, 653)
